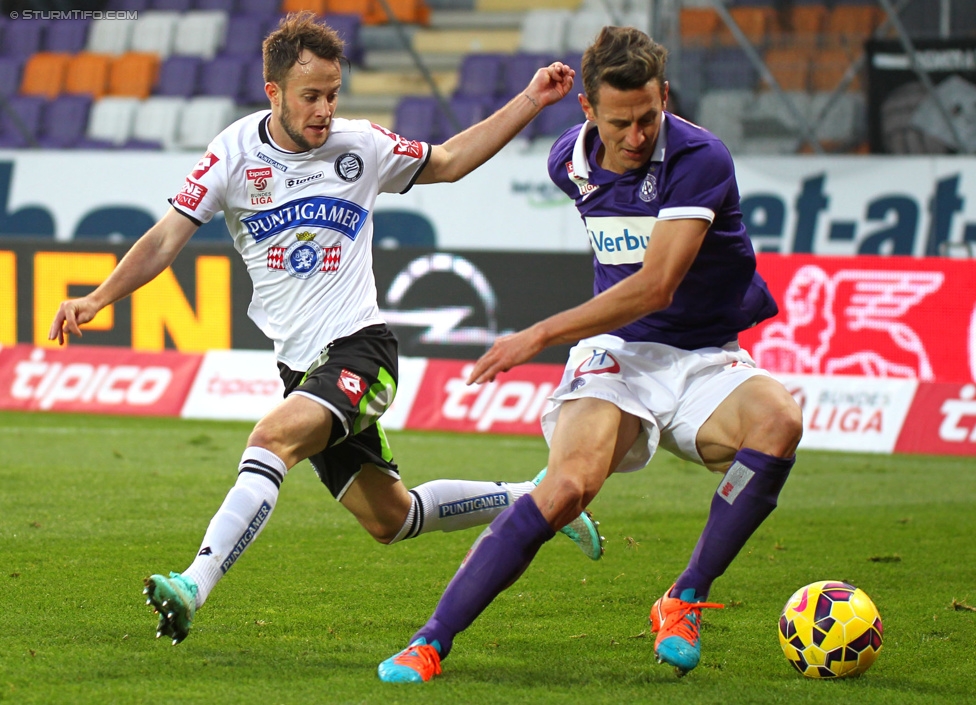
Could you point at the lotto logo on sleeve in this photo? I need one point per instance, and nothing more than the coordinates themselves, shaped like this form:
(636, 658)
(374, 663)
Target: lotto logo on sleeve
(191, 194)
(203, 166)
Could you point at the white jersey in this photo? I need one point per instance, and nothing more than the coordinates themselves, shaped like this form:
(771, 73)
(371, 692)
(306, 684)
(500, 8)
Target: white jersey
(303, 224)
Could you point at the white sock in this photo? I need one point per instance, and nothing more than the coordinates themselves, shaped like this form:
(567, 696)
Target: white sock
(451, 505)
(239, 520)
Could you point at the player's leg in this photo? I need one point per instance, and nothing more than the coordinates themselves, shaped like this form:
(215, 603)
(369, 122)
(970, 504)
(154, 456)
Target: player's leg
(278, 441)
(753, 433)
(360, 473)
(591, 437)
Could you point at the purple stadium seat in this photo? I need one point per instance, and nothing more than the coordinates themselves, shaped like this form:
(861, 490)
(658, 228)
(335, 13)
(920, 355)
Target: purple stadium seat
(468, 110)
(519, 70)
(228, 6)
(223, 76)
(557, 118)
(729, 67)
(244, 35)
(178, 76)
(10, 74)
(171, 5)
(416, 118)
(252, 93)
(258, 8)
(27, 109)
(67, 36)
(347, 25)
(63, 122)
(22, 38)
(127, 5)
(480, 75)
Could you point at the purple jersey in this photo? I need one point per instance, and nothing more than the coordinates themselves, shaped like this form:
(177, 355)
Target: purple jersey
(690, 175)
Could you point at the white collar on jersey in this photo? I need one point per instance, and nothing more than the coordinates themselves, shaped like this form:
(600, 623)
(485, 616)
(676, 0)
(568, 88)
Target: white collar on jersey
(581, 164)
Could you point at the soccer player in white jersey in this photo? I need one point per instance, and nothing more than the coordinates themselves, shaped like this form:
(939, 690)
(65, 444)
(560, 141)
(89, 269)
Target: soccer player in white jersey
(297, 186)
(657, 362)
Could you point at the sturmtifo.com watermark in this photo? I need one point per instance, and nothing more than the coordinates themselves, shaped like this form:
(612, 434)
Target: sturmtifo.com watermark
(75, 15)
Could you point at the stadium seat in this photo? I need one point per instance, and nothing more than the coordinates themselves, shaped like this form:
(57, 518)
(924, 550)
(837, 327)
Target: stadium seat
(790, 67)
(729, 68)
(200, 33)
(20, 129)
(416, 118)
(348, 26)
(22, 38)
(133, 74)
(407, 11)
(758, 24)
(110, 121)
(319, 7)
(154, 32)
(171, 5)
(804, 26)
(252, 92)
(721, 110)
(480, 75)
(44, 74)
(69, 36)
(467, 110)
(244, 35)
(843, 119)
(847, 26)
(63, 122)
(829, 67)
(519, 69)
(227, 6)
(156, 122)
(10, 75)
(543, 31)
(202, 119)
(109, 36)
(223, 76)
(87, 74)
(178, 76)
(687, 79)
(556, 119)
(257, 8)
(698, 26)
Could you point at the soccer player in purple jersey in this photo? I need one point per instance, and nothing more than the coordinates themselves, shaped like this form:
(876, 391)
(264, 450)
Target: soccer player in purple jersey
(657, 362)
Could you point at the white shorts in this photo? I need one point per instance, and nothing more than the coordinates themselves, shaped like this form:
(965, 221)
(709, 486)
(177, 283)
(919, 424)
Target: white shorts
(672, 391)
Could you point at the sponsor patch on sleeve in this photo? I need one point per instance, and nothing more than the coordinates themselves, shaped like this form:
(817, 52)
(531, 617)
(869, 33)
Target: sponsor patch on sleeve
(191, 194)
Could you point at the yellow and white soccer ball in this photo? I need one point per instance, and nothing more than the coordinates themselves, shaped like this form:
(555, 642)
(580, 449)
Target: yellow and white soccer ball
(830, 629)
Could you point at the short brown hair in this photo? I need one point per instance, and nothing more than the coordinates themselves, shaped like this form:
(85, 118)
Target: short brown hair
(296, 32)
(624, 58)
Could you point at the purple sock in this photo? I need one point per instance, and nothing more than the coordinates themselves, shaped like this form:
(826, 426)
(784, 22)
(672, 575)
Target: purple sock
(743, 500)
(496, 560)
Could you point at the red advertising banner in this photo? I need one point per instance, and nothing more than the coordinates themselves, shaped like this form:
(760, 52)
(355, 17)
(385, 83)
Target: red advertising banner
(941, 421)
(894, 317)
(512, 403)
(95, 380)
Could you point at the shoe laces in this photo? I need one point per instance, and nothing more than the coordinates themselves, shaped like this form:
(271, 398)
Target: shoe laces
(423, 658)
(682, 618)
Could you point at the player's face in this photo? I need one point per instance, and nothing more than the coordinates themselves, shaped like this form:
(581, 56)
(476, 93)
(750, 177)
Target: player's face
(303, 104)
(628, 122)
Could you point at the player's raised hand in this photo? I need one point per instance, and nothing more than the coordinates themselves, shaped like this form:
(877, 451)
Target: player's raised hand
(550, 84)
(72, 314)
(507, 352)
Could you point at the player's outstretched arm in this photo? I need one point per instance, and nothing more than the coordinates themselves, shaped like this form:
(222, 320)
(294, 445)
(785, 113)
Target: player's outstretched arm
(150, 255)
(468, 150)
(672, 249)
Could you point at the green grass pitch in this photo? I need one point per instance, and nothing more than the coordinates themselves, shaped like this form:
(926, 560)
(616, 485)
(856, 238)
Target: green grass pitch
(90, 505)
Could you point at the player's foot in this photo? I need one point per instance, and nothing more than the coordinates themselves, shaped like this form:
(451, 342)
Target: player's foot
(417, 663)
(174, 598)
(584, 531)
(677, 621)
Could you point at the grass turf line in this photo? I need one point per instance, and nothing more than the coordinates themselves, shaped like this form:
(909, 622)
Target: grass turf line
(90, 505)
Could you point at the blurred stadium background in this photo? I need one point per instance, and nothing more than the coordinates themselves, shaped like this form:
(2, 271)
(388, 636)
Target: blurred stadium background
(767, 76)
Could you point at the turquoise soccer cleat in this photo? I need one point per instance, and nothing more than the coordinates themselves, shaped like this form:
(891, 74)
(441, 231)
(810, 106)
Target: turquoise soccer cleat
(677, 622)
(583, 530)
(174, 599)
